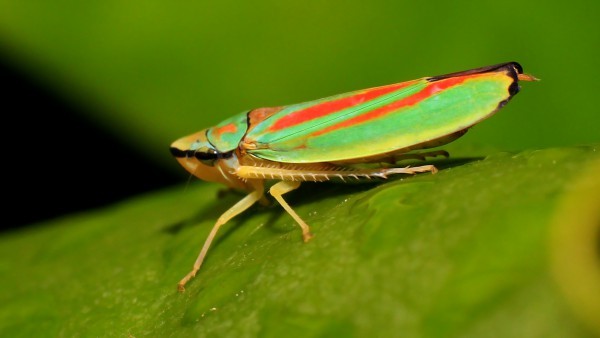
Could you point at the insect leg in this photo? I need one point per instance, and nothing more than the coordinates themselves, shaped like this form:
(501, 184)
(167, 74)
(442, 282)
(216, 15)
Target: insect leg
(277, 191)
(236, 209)
(383, 172)
(326, 172)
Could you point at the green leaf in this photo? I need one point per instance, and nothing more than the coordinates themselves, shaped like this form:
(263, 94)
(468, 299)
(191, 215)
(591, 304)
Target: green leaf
(501, 246)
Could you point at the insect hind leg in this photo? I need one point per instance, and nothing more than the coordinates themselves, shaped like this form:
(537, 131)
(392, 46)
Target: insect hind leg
(281, 188)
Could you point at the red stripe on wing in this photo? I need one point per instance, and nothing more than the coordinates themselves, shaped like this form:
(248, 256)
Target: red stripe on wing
(329, 107)
(427, 92)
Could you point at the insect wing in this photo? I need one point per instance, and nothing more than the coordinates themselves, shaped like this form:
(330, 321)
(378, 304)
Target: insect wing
(383, 119)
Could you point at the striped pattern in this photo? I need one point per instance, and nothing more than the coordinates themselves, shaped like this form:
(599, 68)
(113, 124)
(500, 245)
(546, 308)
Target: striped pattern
(383, 119)
(299, 114)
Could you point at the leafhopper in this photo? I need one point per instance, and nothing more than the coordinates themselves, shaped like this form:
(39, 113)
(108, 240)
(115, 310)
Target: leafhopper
(326, 139)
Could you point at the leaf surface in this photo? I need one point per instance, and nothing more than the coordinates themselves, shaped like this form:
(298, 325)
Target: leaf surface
(477, 250)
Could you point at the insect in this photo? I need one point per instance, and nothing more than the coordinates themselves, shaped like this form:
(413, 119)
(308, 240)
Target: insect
(326, 139)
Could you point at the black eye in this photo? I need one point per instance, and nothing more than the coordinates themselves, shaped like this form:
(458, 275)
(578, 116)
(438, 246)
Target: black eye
(208, 155)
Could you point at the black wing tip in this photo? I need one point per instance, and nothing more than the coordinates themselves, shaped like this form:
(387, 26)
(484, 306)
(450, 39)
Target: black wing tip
(512, 65)
(517, 66)
(517, 69)
(513, 89)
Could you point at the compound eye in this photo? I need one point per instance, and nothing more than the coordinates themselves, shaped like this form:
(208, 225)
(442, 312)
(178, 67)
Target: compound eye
(206, 155)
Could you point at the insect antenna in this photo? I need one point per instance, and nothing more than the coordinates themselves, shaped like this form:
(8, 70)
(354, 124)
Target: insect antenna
(187, 183)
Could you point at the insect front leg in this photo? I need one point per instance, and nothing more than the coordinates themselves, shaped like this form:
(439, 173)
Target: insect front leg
(235, 210)
(277, 191)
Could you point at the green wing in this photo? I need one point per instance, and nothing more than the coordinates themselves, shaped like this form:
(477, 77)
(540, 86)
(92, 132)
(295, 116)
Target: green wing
(383, 119)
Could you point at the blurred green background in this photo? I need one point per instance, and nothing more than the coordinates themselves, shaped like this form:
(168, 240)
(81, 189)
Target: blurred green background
(151, 71)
